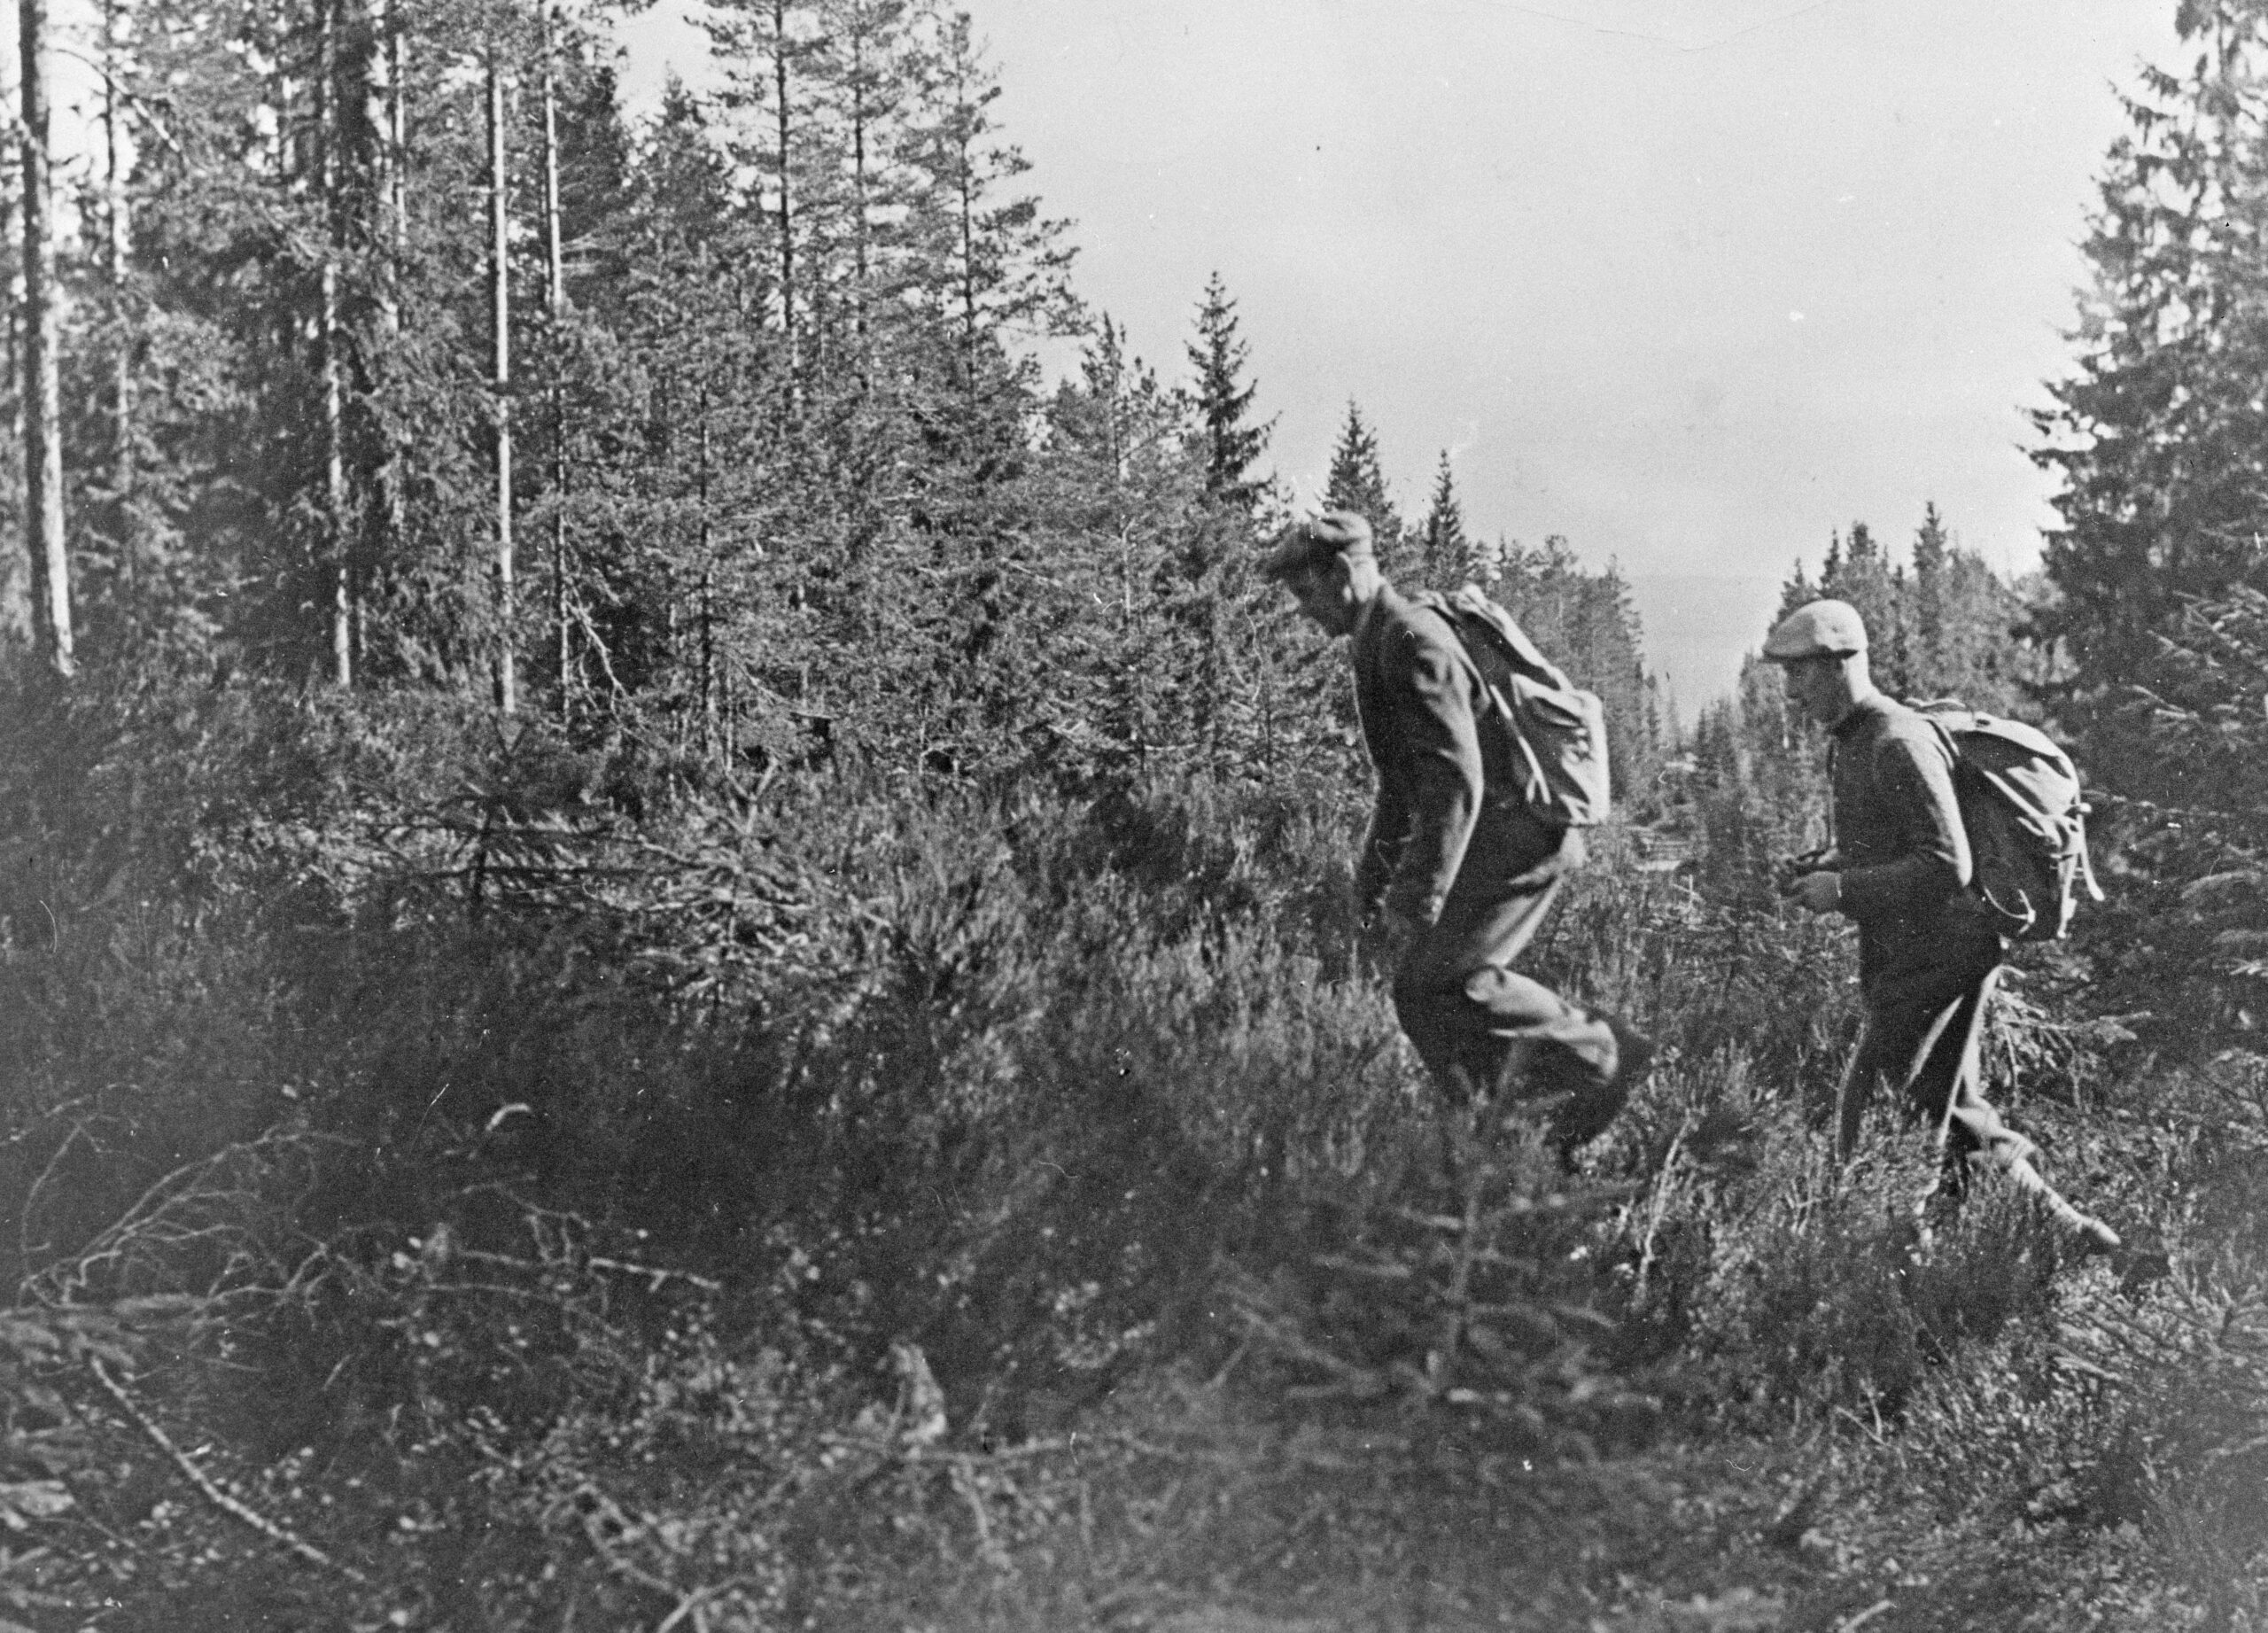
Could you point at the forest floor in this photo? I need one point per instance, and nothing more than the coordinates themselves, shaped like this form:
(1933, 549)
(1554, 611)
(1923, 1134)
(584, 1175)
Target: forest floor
(489, 1211)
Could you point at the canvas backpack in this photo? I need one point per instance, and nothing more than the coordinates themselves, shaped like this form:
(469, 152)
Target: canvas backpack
(1555, 731)
(2021, 803)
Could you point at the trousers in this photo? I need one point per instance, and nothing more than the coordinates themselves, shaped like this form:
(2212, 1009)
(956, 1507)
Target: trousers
(1923, 1030)
(1485, 1031)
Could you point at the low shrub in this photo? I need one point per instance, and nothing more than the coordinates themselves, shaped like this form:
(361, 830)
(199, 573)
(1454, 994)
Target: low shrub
(738, 1203)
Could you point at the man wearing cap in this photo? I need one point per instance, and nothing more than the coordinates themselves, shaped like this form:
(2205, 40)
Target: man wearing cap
(1899, 866)
(1456, 868)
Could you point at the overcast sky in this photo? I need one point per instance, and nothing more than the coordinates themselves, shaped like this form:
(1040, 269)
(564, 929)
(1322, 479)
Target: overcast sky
(1690, 282)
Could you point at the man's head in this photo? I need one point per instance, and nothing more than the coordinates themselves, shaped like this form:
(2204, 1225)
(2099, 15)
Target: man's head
(1822, 647)
(1331, 567)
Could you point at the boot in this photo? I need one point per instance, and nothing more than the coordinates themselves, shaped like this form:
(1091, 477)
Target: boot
(2089, 1233)
(1592, 1102)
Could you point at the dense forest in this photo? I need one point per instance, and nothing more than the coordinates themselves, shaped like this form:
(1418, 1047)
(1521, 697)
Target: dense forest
(676, 948)
(688, 411)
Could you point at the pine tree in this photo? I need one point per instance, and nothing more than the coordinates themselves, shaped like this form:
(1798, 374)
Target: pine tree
(766, 51)
(1227, 443)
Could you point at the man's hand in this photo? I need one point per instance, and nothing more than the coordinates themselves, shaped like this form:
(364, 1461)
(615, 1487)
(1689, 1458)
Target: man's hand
(1788, 870)
(1818, 892)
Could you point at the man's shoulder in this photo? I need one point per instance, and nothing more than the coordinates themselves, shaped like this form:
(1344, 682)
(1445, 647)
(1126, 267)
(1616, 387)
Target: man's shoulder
(1881, 718)
(1892, 730)
(1413, 621)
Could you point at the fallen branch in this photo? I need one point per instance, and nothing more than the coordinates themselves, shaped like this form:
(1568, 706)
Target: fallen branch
(988, 1546)
(234, 1506)
(603, 1509)
(1865, 1616)
(655, 1274)
(596, 1510)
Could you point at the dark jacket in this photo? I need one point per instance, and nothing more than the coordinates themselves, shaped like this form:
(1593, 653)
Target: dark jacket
(1449, 813)
(1905, 854)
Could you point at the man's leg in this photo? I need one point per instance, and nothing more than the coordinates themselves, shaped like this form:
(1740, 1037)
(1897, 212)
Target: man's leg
(1934, 1027)
(1856, 1090)
(1482, 1027)
(1925, 1030)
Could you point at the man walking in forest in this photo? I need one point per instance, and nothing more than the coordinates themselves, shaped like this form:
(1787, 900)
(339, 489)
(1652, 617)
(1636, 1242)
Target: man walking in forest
(1899, 865)
(1457, 870)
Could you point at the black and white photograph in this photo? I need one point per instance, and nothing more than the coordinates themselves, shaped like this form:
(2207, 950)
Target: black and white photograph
(1134, 816)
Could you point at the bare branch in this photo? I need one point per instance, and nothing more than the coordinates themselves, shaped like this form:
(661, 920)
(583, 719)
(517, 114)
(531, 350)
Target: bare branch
(227, 1503)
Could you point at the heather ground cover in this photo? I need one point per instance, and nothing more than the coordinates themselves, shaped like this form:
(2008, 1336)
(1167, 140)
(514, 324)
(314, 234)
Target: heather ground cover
(879, 1204)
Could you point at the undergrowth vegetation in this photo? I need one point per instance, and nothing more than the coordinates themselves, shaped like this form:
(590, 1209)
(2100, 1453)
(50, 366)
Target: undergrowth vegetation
(461, 1181)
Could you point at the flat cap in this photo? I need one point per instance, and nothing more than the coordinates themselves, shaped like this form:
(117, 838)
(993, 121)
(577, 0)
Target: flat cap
(1817, 629)
(1307, 546)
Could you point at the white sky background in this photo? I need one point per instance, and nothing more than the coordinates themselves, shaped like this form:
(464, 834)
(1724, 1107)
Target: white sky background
(1690, 282)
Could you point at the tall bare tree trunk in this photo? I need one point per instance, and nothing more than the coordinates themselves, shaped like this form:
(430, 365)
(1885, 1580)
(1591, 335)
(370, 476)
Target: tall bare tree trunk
(17, 622)
(781, 88)
(860, 229)
(383, 111)
(43, 382)
(118, 231)
(397, 135)
(554, 293)
(507, 698)
(330, 343)
(708, 594)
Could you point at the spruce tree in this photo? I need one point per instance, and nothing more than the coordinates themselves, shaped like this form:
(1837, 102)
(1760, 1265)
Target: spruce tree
(1447, 557)
(1948, 628)
(1228, 446)
(1356, 483)
(2156, 431)
(1116, 492)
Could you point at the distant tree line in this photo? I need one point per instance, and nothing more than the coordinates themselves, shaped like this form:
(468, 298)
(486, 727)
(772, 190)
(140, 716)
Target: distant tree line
(1583, 617)
(398, 353)
(1940, 624)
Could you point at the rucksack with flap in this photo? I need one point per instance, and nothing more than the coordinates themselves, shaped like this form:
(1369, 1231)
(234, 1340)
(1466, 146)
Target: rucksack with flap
(1556, 731)
(2022, 807)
